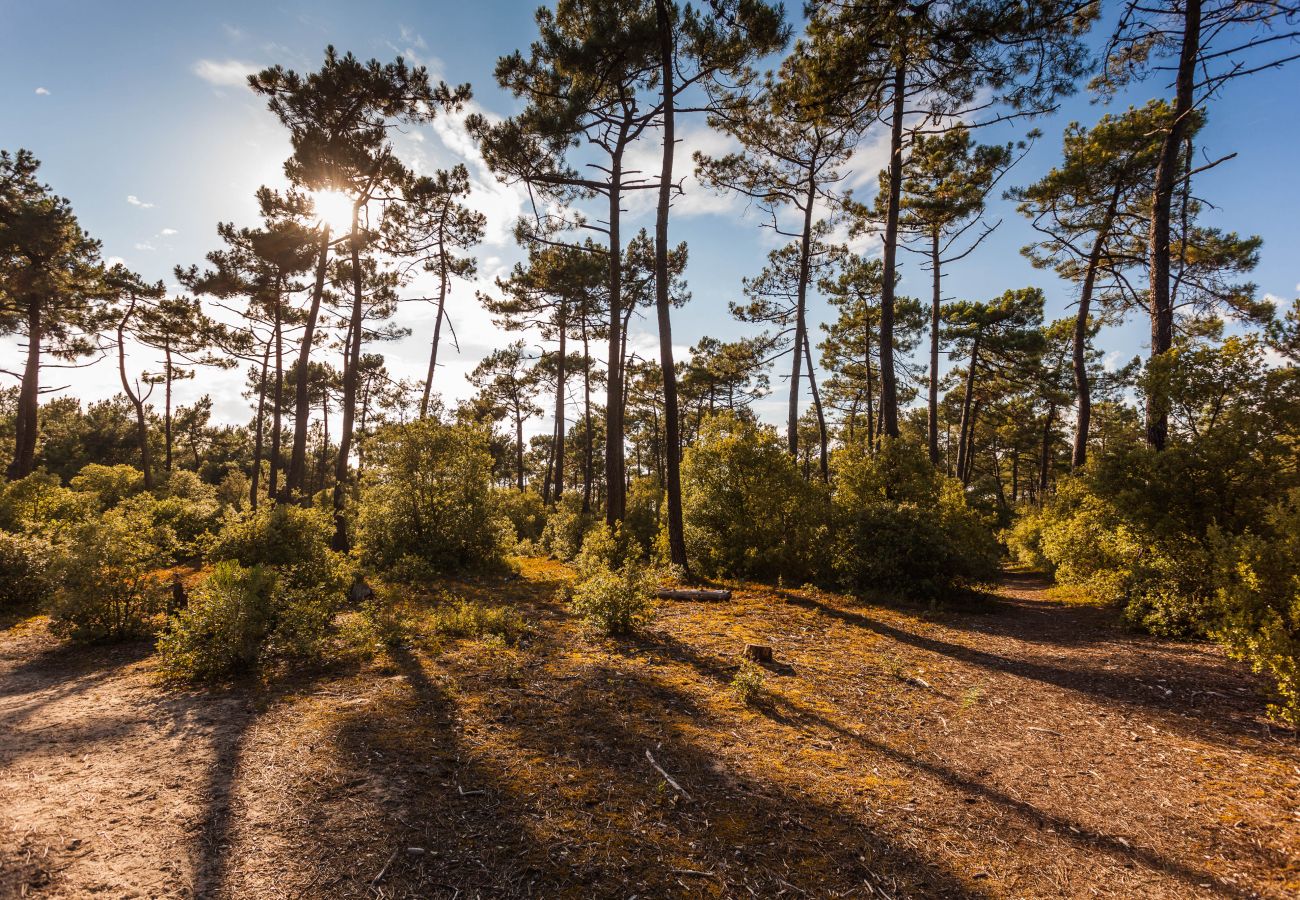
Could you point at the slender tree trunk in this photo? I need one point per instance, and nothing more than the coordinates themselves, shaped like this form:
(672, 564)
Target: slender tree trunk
(588, 450)
(257, 438)
(273, 481)
(871, 400)
(888, 387)
(28, 398)
(1162, 312)
(1045, 464)
(800, 318)
(137, 401)
(1015, 474)
(437, 325)
(351, 365)
(672, 421)
(967, 420)
(297, 474)
(936, 301)
(970, 443)
(561, 379)
(614, 458)
(822, 438)
(519, 450)
(167, 407)
(1082, 390)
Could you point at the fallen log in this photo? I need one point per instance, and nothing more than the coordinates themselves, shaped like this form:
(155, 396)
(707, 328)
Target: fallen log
(692, 594)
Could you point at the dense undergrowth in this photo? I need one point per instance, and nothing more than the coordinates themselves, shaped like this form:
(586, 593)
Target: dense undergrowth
(227, 589)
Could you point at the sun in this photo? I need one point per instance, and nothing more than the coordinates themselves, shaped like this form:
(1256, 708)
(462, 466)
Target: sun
(334, 209)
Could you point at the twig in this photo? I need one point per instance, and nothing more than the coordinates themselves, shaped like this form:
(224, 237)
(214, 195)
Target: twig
(384, 871)
(668, 778)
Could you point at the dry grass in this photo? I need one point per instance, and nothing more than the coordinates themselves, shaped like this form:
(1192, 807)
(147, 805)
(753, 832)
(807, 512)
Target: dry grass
(1011, 747)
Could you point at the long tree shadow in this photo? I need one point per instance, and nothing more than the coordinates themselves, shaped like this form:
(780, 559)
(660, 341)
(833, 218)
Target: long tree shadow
(742, 833)
(1231, 720)
(789, 713)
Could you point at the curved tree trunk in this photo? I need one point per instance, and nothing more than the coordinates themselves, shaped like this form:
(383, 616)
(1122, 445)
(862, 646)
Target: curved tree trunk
(888, 386)
(1162, 312)
(936, 301)
(800, 318)
(1082, 390)
(28, 399)
(297, 475)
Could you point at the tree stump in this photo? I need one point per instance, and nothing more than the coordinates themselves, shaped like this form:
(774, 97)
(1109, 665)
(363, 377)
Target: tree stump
(759, 653)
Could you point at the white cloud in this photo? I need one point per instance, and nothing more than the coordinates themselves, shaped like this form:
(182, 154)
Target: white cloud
(224, 73)
(167, 232)
(145, 245)
(645, 159)
(136, 201)
(42, 92)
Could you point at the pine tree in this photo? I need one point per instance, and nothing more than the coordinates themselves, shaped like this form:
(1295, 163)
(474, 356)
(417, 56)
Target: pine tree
(432, 225)
(1206, 43)
(929, 66)
(339, 120)
(51, 288)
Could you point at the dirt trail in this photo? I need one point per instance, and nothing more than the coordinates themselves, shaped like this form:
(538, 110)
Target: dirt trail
(1012, 747)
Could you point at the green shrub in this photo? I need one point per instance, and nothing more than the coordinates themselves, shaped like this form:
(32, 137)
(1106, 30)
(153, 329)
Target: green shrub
(749, 684)
(566, 524)
(40, 504)
(616, 602)
(468, 619)
(106, 572)
(1259, 603)
(747, 511)
(109, 485)
(1024, 541)
(291, 539)
(224, 627)
(25, 576)
(428, 496)
(524, 511)
(645, 514)
(901, 528)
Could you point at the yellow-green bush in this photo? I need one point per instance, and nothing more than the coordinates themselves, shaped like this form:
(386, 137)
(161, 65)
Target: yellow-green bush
(109, 485)
(616, 601)
(747, 511)
(468, 619)
(25, 577)
(566, 525)
(523, 509)
(291, 539)
(40, 504)
(901, 528)
(428, 497)
(223, 629)
(1259, 602)
(106, 576)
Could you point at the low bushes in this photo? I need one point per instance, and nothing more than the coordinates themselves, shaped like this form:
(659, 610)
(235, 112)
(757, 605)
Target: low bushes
(747, 510)
(106, 575)
(428, 498)
(25, 577)
(224, 627)
(616, 601)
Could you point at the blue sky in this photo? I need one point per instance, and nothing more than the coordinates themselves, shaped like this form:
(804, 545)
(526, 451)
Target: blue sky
(139, 114)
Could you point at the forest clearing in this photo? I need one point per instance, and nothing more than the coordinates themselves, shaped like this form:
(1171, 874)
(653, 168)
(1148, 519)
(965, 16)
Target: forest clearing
(1008, 746)
(645, 449)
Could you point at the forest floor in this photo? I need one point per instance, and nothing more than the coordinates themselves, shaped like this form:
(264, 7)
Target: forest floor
(1014, 745)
